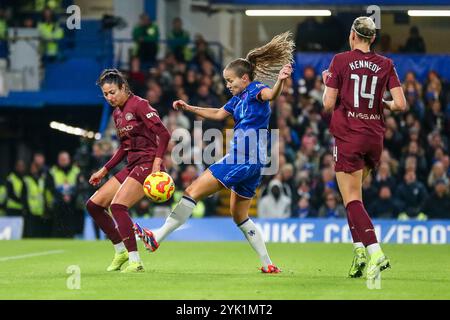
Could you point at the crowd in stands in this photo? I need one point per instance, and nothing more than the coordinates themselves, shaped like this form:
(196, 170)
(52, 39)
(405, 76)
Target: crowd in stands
(330, 35)
(411, 182)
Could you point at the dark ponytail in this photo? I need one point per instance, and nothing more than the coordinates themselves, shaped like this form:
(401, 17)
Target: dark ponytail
(113, 76)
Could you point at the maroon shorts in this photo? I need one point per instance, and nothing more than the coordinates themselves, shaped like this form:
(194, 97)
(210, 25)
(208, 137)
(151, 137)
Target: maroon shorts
(139, 172)
(353, 156)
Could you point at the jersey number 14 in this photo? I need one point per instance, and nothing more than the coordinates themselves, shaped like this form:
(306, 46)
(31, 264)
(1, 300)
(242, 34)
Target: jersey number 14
(363, 94)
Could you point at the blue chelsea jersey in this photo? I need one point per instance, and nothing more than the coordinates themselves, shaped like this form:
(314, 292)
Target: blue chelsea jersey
(251, 118)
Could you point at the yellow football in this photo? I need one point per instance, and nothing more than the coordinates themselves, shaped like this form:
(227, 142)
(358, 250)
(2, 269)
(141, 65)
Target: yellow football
(159, 186)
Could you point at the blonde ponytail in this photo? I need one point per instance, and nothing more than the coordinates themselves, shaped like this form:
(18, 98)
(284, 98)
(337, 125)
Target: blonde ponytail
(267, 61)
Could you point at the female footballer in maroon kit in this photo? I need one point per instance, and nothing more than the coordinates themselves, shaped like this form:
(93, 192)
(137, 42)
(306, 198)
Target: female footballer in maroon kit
(355, 84)
(143, 140)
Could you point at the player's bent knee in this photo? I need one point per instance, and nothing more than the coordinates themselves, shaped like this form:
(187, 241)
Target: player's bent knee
(239, 218)
(351, 199)
(98, 200)
(190, 192)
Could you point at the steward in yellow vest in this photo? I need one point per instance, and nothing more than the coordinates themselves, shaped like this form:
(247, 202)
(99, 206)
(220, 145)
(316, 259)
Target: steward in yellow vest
(3, 194)
(65, 180)
(3, 35)
(39, 202)
(15, 198)
(50, 33)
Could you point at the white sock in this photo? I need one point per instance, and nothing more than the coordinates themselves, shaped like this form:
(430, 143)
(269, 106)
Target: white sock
(133, 256)
(358, 245)
(178, 217)
(373, 248)
(120, 247)
(256, 240)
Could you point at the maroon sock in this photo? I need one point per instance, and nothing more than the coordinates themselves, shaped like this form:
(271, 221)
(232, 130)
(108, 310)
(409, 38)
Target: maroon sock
(104, 221)
(353, 231)
(361, 220)
(125, 224)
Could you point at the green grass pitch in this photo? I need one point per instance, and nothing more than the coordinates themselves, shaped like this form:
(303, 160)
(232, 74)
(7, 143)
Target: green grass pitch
(223, 271)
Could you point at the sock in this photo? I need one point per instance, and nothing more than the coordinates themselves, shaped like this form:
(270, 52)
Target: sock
(361, 220)
(104, 221)
(179, 216)
(371, 249)
(133, 256)
(353, 231)
(256, 240)
(125, 224)
(357, 245)
(120, 247)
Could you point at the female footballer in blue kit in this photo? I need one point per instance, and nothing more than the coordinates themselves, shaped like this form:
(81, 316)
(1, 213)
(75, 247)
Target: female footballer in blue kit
(250, 109)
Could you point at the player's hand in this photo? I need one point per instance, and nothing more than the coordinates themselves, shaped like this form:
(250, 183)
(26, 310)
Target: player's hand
(325, 74)
(97, 177)
(180, 105)
(156, 165)
(285, 72)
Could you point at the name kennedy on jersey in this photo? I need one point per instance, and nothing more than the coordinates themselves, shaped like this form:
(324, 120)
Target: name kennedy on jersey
(364, 64)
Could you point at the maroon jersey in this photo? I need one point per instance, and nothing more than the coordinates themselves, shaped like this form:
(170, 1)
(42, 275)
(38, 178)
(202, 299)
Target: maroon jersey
(140, 130)
(361, 78)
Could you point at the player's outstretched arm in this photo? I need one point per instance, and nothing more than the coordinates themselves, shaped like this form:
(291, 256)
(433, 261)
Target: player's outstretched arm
(207, 113)
(399, 101)
(271, 94)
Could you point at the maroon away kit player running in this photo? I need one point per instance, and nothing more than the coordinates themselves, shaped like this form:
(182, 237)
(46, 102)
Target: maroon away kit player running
(358, 122)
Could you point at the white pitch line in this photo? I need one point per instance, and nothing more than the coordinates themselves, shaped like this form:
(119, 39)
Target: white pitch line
(30, 255)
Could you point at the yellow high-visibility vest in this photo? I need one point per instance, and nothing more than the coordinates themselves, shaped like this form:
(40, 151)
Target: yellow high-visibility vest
(17, 185)
(35, 195)
(3, 29)
(62, 179)
(3, 195)
(50, 33)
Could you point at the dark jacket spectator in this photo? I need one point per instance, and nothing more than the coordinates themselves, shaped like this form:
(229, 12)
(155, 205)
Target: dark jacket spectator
(369, 191)
(437, 205)
(178, 40)
(415, 43)
(411, 194)
(385, 206)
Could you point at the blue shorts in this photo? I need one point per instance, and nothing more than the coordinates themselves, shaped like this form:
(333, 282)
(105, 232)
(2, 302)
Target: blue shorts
(243, 179)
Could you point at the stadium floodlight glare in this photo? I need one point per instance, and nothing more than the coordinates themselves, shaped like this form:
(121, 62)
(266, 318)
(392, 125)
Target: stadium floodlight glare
(429, 13)
(288, 13)
(74, 130)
